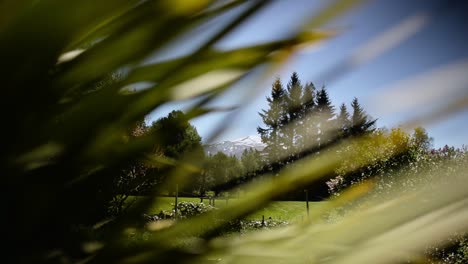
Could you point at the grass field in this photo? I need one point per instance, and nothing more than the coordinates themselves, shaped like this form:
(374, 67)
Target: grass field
(291, 211)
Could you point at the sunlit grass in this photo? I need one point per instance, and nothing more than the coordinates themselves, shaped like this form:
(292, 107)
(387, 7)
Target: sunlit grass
(289, 211)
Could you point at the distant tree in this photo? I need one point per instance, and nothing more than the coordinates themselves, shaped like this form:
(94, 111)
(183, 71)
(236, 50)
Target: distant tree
(360, 121)
(343, 121)
(301, 121)
(307, 129)
(294, 101)
(252, 162)
(135, 176)
(324, 105)
(180, 141)
(274, 120)
(178, 135)
(325, 115)
(220, 169)
(421, 139)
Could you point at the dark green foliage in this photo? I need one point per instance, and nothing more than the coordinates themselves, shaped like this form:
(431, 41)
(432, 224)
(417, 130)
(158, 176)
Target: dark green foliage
(342, 120)
(324, 106)
(252, 162)
(301, 121)
(220, 170)
(325, 114)
(275, 118)
(138, 176)
(308, 129)
(295, 100)
(360, 121)
(306, 126)
(179, 137)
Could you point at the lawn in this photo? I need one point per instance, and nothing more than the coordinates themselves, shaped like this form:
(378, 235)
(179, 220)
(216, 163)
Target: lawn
(291, 211)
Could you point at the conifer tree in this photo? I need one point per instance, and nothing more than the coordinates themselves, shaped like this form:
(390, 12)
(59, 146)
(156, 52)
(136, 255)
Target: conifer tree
(360, 121)
(274, 119)
(301, 120)
(309, 125)
(325, 114)
(324, 105)
(294, 98)
(343, 121)
(294, 102)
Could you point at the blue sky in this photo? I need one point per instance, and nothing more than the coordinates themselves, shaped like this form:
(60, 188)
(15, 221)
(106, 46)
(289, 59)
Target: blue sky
(439, 41)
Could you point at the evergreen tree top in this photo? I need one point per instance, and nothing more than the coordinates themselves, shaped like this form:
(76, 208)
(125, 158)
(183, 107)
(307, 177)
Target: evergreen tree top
(294, 81)
(359, 116)
(344, 115)
(294, 96)
(324, 104)
(361, 122)
(309, 96)
(277, 89)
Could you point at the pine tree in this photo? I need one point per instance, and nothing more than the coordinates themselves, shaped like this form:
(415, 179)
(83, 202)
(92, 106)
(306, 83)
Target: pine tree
(325, 114)
(294, 102)
(274, 119)
(309, 125)
(324, 106)
(343, 121)
(294, 98)
(360, 121)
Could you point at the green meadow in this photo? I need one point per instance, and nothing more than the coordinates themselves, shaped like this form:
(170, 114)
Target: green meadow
(290, 211)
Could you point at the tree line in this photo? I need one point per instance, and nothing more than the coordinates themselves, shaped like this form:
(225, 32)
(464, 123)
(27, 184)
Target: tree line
(300, 121)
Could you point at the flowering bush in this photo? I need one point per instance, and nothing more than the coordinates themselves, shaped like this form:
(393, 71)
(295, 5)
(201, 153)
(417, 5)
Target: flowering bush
(190, 209)
(184, 210)
(402, 162)
(259, 224)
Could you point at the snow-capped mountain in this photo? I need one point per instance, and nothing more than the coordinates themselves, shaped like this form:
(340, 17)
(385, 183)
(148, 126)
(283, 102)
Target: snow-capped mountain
(235, 147)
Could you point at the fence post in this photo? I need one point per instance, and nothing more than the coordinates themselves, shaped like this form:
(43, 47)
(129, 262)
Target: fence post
(176, 196)
(307, 201)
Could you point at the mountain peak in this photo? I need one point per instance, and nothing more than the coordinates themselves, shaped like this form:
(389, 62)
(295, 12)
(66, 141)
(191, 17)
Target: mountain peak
(251, 138)
(235, 147)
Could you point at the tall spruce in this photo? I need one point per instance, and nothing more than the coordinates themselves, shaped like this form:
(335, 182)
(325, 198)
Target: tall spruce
(360, 122)
(275, 118)
(343, 120)
(301, 120)
(294, 100)
(325, 115)
(309, 125)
